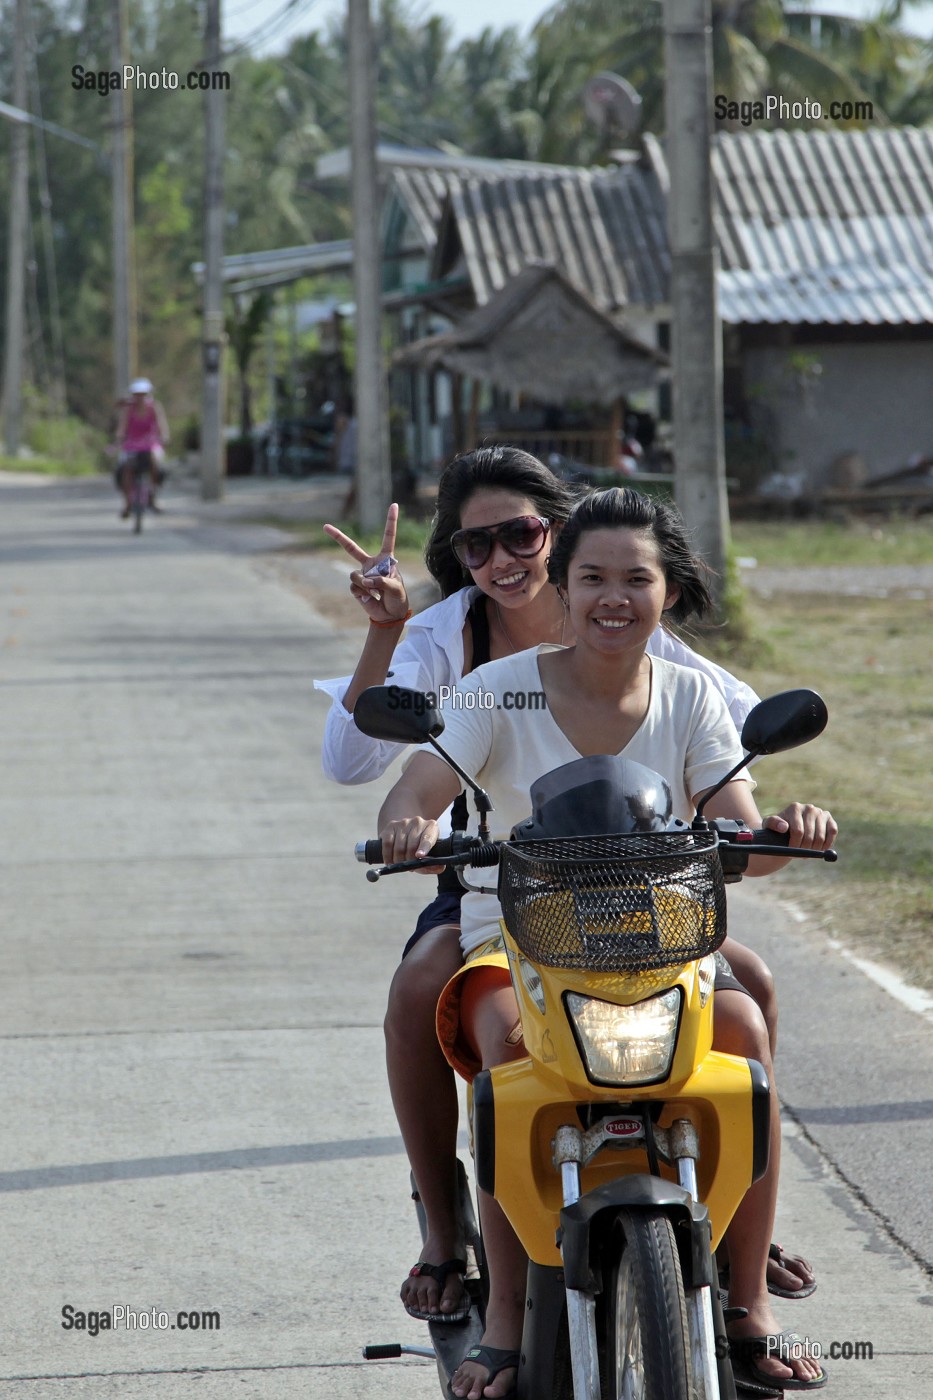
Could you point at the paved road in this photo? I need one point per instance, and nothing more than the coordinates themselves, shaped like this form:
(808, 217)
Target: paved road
(192, 977)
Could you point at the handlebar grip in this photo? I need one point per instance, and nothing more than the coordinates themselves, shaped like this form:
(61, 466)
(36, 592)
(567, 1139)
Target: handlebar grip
(389, 1350)
(764, 836)
(782, 838)
(370, 852)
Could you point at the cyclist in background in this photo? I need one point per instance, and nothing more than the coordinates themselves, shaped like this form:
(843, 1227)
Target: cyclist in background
(141, 428)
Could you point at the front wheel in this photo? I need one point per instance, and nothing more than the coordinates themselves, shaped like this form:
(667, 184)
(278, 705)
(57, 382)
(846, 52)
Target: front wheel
(647, 1354)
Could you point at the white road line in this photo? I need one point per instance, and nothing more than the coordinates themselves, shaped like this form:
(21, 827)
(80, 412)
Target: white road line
(914, 998)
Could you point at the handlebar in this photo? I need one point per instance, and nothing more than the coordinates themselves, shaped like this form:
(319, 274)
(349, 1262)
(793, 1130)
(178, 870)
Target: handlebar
(736, 843)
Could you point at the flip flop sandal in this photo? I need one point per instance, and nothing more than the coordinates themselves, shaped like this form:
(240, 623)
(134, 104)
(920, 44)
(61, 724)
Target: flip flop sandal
(439, 1272)
(750, 1376)
(776, 1253)
(495, 1360)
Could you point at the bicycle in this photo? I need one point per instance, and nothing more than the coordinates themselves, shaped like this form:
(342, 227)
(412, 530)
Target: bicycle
(140, 467)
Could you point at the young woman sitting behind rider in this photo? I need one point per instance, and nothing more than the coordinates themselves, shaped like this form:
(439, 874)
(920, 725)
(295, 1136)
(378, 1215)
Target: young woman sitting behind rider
(488, 551)
(620, 562)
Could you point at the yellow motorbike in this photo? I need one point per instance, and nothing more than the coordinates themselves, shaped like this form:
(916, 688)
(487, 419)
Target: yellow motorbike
(622, 1144)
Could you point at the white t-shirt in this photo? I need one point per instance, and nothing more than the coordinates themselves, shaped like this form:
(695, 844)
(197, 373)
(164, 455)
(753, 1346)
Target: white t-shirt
(508, 740)
(431, 657)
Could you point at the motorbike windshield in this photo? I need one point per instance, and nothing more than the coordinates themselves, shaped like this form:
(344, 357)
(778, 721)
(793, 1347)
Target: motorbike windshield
(595, 796)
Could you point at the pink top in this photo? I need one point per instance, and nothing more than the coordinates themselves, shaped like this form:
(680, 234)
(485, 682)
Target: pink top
(141, 431)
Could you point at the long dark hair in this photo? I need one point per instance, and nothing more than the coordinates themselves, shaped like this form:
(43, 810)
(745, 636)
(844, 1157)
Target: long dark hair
(619, 507)
(489, 468)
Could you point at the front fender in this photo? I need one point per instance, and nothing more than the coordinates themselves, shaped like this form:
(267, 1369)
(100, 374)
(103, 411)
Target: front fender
(690, 1217)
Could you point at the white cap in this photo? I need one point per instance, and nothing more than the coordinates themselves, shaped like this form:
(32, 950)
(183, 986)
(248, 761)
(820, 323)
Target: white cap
(141, 386)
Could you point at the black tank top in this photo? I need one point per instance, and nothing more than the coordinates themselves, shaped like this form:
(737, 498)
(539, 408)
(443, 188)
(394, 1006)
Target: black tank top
(447, 882)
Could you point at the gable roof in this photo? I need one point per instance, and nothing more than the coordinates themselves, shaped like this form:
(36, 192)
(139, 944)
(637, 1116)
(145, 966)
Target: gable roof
(424, 184)
(603, 228)
(540, 335)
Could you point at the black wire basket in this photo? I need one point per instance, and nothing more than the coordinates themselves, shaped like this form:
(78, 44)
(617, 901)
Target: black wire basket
(614, 903)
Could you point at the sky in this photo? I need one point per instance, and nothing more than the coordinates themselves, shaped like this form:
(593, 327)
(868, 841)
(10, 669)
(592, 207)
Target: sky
(269, 25)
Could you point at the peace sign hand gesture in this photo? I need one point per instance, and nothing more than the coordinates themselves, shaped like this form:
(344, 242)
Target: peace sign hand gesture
(383, 596)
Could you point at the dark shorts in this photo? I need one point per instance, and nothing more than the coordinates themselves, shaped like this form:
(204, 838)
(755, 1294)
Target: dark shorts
(726, 980)
(445, 909)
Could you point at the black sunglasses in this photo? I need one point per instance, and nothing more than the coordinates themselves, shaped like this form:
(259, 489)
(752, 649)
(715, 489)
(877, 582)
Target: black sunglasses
(522, 537)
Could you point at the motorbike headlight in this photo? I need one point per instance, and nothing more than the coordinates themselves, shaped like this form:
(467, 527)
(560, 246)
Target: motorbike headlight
(626, 1044)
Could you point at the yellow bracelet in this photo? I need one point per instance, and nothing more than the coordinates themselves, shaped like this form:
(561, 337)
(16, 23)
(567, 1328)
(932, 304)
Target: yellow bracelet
(394, 622)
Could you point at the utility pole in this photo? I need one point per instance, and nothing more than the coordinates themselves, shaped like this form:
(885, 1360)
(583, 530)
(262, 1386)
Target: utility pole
(212, 465)
(373, 469)
(124, 224)
(16, 253)
(699, 454)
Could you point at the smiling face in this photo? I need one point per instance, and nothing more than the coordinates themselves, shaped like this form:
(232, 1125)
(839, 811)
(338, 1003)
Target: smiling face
(616, 589)
(512, 582)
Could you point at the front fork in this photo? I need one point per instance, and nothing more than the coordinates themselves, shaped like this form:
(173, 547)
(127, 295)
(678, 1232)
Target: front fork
(573, 1148)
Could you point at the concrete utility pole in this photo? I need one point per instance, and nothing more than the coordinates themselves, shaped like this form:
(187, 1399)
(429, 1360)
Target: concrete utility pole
(699, 456)
(373, 469)
(16, 255)
(212, 446)
(124, 224)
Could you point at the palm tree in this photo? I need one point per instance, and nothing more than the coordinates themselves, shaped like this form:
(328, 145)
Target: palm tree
(760, 47)
(891, 66)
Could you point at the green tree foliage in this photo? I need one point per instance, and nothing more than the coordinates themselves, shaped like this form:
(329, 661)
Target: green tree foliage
(889, 65)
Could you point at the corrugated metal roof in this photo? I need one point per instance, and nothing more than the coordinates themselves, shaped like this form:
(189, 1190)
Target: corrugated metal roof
(603, 229)
(424, 184)
(280, 265)
(825, 227)
(813, 226)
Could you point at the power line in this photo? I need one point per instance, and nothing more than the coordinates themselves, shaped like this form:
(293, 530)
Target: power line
(291, 11)
(16, 114)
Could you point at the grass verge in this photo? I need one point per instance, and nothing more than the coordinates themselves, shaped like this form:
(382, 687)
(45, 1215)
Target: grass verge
(857, 544)
(868, 658)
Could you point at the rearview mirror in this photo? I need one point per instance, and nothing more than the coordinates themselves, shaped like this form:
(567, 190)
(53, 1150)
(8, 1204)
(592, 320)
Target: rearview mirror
(781, 722)
(401, 716)
(784, 722)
